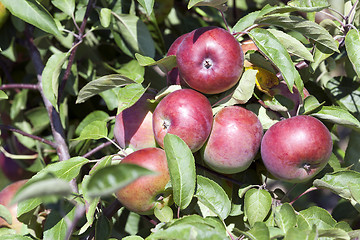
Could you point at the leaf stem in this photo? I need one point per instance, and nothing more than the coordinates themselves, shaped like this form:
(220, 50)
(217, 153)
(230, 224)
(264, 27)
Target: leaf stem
(307, 191)
(98, 148)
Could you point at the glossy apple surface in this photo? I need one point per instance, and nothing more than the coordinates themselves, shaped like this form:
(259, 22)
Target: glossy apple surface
(210, 60)
(133, 126)
(234, 140)
(185, 113)
(6, 196)
(141, 195)
(282, 94)
(173, 77)
(296, 149)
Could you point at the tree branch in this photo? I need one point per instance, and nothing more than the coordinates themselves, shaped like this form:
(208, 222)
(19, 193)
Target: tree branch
(55, 122)
(19, 86)
(73, 51)
(13, 129)
(98, 148)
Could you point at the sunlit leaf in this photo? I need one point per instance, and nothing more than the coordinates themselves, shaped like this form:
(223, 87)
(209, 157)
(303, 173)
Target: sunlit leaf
(67, 6)
(102, 84)
(148, 5)
(257, 204)
(352, 44)
(94, 130)
(166, 64)
(181, 165)
(34, 13)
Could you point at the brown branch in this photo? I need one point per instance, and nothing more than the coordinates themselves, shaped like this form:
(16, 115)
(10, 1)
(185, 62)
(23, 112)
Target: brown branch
(13, 129)
(73, 51)
(55, 122)
(19, 86)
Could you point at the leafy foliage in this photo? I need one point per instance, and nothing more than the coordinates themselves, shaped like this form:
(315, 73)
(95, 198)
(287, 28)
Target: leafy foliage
(69, 67)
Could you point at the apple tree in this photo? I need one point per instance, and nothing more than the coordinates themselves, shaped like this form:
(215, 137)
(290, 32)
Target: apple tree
(173, 119)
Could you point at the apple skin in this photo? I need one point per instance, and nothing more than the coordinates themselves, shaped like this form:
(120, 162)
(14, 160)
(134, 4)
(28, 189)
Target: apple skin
(133, 126)
(210, 60)
(185, 113)
(283, 90)
(173, 76)
(296, 149)
(141, 195)
(234, 140)
(6, 196)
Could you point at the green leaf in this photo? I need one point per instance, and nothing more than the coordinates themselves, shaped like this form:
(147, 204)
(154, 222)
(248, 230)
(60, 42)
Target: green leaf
(129, 95)
(91, 117)
(19, 103)
(285, 217)
(309, 29)
(210, 3)
(319, 217)
(246, 21)
(338, 182)
(109, 179)
(66, 170)
(5, 214)
(311, 104)
(164, 214)
(105, 17)
(148, 5)
(259, 232)
(56, 223)
(352, 154)
(213, 196)
(292, 45)
(34, 13)
(257, 204)
(337, 115)
(165, 64)
(321, 53)
(94, 130)
(102, 84)
(242, 93)
(266, 116)
(346, 92)
(276, 52)
(91, 203)
(104, 162)
(181, 165)
(352, 44)
(50, 77)
(3, 95)
(335, 233)
(15, 237)
(43, 188)
(102, 228)
(67, 6)
(133, 238)
(135, 33)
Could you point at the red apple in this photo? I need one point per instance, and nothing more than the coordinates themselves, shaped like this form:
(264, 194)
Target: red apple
(210, 60)
(234, 140)
(6, 196)
(141, 195)
(173, 77)
(133, 126)
(282, 94)
(185, 113)
(296, 149)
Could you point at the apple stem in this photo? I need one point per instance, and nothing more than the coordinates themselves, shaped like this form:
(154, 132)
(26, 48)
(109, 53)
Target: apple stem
(178, 212)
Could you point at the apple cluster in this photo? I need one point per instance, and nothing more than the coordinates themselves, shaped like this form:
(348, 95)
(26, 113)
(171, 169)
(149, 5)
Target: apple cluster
(210, 61)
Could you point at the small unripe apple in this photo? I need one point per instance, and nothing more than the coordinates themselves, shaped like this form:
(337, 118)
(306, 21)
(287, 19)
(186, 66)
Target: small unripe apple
(234, 140)
(210, 60)
(185, 113)
(173, 76)
(296, 149)
(6, 195)
(133, 126)
(141, 195)
(282, 94)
